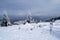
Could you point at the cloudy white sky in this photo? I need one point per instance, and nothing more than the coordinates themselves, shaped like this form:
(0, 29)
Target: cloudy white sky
(36, 7)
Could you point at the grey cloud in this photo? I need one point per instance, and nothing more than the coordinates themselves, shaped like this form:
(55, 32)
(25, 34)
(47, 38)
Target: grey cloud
(37, 7)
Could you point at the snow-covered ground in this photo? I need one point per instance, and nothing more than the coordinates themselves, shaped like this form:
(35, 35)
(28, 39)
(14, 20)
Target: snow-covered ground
(31, 31)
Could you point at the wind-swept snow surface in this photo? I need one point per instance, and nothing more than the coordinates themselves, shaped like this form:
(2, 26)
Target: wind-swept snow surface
(32, 31)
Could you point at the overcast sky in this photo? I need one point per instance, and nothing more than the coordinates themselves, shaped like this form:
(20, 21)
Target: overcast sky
(35, 7)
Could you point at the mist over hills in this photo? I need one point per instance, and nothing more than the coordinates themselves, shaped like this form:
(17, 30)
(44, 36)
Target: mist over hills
(38, 18)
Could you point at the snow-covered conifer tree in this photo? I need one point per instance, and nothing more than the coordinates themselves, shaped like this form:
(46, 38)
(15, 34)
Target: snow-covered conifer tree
(5, 20)
(51, 25)
(29, 18)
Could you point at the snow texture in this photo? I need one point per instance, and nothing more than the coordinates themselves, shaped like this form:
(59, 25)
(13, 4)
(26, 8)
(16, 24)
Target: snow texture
(33, 31)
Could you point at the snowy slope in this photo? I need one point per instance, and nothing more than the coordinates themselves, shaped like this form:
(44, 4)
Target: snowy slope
(30, 32)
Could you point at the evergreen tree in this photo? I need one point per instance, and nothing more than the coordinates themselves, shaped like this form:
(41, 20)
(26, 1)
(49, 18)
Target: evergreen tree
(51, 25)
(5, 20)
(29, 18)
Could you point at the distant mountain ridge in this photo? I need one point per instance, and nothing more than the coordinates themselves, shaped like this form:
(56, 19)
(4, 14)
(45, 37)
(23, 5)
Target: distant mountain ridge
(38, 18)
(55, 18)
